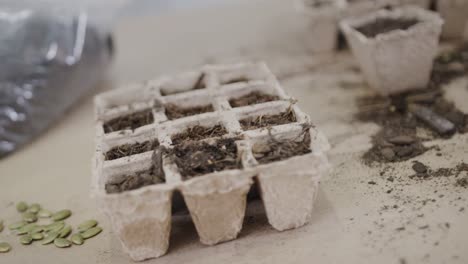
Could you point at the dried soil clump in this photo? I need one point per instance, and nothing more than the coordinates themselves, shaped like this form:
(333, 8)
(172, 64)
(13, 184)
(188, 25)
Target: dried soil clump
(424, 171)
(396, 141)
(130, 149)
(174, 112)
(198, 158)
(131, 121)
(274, 150)
(268, 120)
(462, 182)
(198, 133)
(402, 115)
(252, 98)
(385, 25)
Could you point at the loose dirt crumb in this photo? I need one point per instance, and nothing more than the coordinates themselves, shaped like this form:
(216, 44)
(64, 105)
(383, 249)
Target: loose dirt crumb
(462, 182)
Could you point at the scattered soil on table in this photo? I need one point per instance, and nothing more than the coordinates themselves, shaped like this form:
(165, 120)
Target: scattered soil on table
(131, 121)
(154, 175)
(423, 171)
(130, 149)
(385, 25)
(274, 150)
(198, 158)
(198, 133)
(268, 120)
(174, 112)
(462, 182)
(400, 116)
(199, 84)
(409, 202)
(252, 98)
(235, 80)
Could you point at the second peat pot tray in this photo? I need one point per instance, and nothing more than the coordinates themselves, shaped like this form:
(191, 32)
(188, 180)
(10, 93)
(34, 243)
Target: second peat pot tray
(207, 135)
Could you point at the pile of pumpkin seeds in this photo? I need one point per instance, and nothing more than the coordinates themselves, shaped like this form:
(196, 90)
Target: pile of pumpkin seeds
(56, 231)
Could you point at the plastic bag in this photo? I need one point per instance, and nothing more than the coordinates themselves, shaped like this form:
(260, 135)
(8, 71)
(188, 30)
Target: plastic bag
(50, 59)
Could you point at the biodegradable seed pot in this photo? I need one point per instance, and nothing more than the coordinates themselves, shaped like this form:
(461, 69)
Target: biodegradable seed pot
(360, 7)
(395, 49)
(322, 22)
(208, 153)
(455, 15)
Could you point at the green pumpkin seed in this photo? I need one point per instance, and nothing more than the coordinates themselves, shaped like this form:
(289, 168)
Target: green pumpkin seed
(87, 225)
(26, 229)
(17, 225)
(62, 242)
(29, 217)
(65, 231)
(57, 229)
(26, 240)
(37, 236)
(77, 239)
(60, 215)
(1, 226)
(50, 237)
(91, 232)
(34, 208)
(37, 229)
(21, 207)
(4, 247)
(43, 213)
(57, 226)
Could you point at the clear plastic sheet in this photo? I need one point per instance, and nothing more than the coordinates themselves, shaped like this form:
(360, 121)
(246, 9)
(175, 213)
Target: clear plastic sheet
(50, 59)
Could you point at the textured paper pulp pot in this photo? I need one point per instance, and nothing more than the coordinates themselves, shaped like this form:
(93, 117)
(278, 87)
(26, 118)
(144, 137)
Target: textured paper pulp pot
(217, 205)
(289, 196)
(399, 60)
(322, 24)
(141, 220)
(455, 15)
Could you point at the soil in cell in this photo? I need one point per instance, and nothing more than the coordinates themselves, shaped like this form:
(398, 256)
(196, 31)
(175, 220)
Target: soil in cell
(385, 25)
(268, 120)
(198, 158)
(252, 98)
(131, 149)
(196, 133)
(131, 121)
(174, 112)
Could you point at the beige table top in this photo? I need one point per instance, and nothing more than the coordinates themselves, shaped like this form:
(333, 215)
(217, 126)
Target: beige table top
(349, 224)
